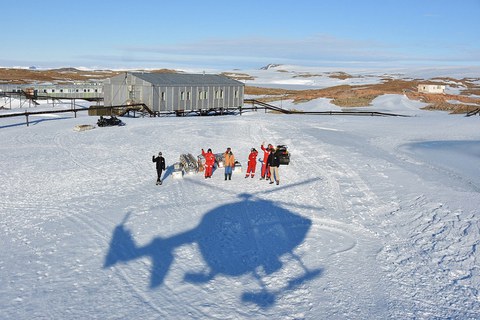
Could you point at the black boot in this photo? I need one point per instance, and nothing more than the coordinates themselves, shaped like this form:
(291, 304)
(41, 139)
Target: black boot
(226, 176)
(229, 176)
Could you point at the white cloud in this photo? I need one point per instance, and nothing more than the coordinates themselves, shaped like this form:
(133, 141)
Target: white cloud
(320, 50)
(317, 49)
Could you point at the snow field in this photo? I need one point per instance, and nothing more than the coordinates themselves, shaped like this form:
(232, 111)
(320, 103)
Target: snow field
(369, 220)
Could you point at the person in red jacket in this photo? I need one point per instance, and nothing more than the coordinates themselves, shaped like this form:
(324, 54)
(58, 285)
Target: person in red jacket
(252, 163)
(209, 162)
(265, 168)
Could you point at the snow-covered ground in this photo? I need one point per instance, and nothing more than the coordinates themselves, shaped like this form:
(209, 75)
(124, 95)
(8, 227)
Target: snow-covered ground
(374, 218)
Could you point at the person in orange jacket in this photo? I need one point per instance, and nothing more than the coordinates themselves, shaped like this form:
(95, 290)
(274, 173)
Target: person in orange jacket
(252, 163)
(229, 163)
(265, 167)
(209, 162)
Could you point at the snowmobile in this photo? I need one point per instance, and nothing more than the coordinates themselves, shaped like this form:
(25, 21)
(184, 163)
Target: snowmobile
(284, 154)
(237, 168)
(112, 121)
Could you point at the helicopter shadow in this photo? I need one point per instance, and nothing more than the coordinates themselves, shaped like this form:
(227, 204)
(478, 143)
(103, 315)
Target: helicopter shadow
(250, 237)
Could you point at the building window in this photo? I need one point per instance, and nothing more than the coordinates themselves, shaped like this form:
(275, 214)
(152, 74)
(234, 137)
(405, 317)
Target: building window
(163, 96)
(188, 95)
(221, 94)
(182, 95)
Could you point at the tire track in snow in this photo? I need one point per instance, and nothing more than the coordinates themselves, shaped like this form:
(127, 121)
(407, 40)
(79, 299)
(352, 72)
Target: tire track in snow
(347, 198)
(60, 140)
(347, 191)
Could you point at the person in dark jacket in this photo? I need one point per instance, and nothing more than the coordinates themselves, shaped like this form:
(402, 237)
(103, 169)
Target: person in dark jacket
(160, 164)
(274, 162)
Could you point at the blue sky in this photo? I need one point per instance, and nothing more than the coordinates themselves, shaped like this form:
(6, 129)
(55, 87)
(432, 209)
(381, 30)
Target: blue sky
(239, 34)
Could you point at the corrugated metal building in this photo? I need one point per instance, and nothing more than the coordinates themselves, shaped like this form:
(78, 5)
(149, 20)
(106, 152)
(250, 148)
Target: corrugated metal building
(163, 92)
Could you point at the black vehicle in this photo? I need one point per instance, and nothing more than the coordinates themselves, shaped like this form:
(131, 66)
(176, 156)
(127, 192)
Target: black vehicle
(284, 154)
(112, 121)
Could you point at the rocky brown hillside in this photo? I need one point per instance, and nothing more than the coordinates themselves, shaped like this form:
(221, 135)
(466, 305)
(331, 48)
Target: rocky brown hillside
(363, 95)
(63, 75)
(343, 96)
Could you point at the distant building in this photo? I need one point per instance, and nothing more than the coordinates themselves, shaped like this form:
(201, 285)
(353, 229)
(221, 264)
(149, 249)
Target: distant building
(163, 92)
(431, 88)
(80, 90)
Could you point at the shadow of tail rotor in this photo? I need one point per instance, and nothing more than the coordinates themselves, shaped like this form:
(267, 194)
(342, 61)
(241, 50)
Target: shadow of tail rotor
(123, 249)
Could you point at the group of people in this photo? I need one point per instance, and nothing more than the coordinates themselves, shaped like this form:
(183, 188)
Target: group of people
(229, 163)
(271, 162)
(269, 170)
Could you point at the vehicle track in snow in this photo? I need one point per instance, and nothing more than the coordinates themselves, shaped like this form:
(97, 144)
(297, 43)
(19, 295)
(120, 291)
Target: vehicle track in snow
(418, 230)
(348, 208)
(340, 185)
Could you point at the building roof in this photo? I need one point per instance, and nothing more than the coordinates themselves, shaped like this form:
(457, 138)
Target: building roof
(180, 79)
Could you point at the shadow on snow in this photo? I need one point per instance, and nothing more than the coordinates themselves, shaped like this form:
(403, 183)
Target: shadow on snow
(33, 122)
(168, 172)
(241, 238)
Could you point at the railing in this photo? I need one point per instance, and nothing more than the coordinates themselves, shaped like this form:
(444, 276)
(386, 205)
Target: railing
(142, 107)
(267, 106)
(27, 114)
(473, 112)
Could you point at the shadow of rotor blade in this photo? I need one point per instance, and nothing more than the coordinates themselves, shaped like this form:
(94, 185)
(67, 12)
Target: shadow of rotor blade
(288, 186)
(127, 216)
(274, 189)
(299, 206)
(204, 184)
